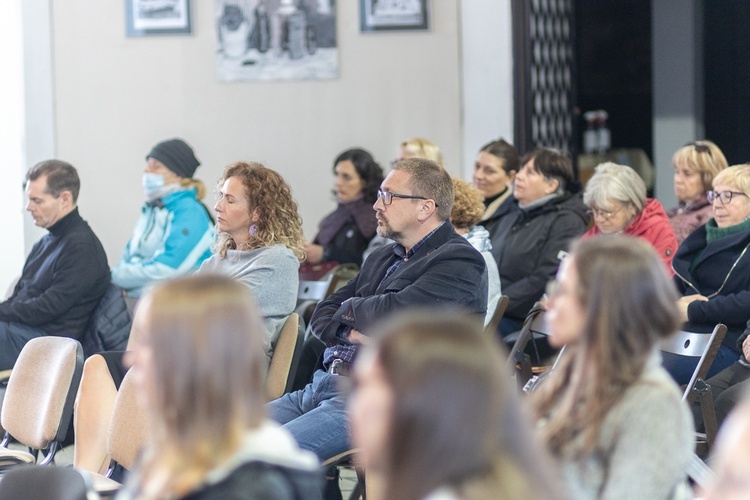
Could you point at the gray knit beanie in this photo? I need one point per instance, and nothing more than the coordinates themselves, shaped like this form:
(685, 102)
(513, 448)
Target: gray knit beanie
(177, 156)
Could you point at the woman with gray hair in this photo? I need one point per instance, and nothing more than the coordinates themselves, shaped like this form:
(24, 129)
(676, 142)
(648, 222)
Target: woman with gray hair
(616, 197)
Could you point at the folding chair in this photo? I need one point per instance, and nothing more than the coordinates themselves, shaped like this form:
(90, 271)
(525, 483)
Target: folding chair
(703, 347)
(518, 361)
(285, 355)
(310, 293)
(502, 305)
(51, 483)
(127, 436)
(38, 402)
(346, 460)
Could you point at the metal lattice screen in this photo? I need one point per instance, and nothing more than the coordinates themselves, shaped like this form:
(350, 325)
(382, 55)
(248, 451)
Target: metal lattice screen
(543, 46)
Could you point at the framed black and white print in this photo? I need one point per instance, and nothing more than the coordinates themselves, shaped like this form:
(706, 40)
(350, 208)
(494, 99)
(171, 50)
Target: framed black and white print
(158, 17)
(393, 15)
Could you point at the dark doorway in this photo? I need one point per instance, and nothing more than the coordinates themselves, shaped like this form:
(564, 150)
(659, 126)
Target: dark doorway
(726, 67)
(613, 67)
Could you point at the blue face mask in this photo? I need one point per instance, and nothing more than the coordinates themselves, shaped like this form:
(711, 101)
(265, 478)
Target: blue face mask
(152, 182)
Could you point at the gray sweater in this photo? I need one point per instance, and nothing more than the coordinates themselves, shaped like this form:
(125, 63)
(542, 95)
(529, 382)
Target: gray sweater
(644, 447)
(271, 274)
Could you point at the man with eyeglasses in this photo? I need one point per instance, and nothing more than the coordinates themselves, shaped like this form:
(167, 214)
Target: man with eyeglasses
(430, 265)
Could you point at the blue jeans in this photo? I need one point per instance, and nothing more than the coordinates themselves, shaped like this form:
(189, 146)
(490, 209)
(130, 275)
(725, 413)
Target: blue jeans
(681, 368)
(316, 416)
(13, 336)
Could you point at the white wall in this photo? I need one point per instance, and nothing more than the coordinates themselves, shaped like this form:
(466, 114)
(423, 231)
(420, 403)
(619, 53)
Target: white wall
(486, 76)
(116, 96)
(11, 142)
(677, 86)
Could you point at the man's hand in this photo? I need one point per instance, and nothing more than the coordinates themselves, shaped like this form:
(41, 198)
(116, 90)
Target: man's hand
(314, 253)
(684, 302)
(746, 348)
(358, 338)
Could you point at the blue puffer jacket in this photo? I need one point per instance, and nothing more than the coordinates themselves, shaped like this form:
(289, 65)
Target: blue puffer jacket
(172, 237)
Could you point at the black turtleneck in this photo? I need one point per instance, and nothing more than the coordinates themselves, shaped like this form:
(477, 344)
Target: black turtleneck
(488, 201)
(64, 277)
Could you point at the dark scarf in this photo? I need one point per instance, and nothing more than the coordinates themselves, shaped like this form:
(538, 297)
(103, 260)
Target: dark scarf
(358, 210)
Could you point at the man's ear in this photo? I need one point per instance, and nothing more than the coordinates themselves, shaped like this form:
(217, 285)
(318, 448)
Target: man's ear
(67, 198)
(426, 210)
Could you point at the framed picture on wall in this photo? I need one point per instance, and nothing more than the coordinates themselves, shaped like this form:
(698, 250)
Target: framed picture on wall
(390, 15)
(158, 17)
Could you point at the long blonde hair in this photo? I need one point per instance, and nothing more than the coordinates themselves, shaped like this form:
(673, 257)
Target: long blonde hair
(279, 222)
(206, 385)
(630, 305)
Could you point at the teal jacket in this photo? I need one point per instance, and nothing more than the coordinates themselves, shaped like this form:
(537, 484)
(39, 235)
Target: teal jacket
(172, 238)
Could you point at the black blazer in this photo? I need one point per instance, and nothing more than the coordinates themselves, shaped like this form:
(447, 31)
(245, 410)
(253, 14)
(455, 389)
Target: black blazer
(445, 272)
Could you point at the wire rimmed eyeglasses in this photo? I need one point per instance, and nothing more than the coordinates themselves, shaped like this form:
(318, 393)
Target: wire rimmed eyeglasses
(604, 214)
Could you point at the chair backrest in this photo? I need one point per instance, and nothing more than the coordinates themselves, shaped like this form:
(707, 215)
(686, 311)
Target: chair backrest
(109, 326)
(38, 402)
(282, 361)
(316, 290)
(502, 305)
(702, 346)
(51, 483)
(128, 428)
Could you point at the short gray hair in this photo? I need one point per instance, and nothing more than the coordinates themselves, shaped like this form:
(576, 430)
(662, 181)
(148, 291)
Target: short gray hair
(615, 182)
(429, 180)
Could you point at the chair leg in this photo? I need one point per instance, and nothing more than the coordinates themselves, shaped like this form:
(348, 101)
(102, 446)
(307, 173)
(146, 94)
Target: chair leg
(709, 414)
(523, 372)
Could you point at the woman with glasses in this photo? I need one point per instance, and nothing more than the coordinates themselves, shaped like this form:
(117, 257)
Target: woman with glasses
(609, 413)
(711, 268)
(616, 197)
(695, 166)
(343, 234)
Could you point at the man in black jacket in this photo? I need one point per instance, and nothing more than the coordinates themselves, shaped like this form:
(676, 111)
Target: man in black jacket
(66, 272)
(430, 265)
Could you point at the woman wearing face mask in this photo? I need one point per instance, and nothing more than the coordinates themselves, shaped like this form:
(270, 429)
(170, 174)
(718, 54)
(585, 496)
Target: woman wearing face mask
(259, 244)
(174, 233)
(343, 234)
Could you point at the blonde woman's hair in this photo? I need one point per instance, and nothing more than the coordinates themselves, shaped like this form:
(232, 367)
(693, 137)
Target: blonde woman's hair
(737, 176)
(419, 147)
(702, 157)
(468, 205)
(615, 182)
(197, 184)
(630, 305)
(278, 223)
(206, 384)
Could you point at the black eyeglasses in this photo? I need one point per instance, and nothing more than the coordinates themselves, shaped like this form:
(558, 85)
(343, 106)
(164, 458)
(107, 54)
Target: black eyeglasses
(724, 196)
(388, 197)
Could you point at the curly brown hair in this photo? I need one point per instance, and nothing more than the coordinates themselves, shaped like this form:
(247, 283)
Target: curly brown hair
(279, 222)
(468, 205)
